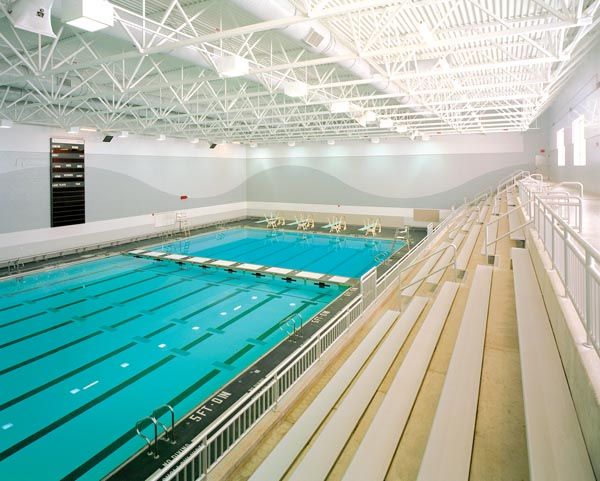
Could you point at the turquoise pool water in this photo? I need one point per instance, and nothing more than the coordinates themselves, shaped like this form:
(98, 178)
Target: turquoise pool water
(322, 253)
(89, 349)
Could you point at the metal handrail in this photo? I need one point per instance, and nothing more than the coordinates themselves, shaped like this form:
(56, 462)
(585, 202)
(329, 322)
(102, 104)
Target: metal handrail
(575, 184)
(427, 276)
(160, 411)
(437, 251)
(497, 219)
(148, 441)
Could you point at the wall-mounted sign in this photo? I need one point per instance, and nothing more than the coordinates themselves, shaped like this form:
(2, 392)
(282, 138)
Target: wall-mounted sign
(67, 182)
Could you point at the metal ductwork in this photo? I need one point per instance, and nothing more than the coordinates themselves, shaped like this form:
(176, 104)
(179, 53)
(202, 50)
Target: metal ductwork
(317, 37)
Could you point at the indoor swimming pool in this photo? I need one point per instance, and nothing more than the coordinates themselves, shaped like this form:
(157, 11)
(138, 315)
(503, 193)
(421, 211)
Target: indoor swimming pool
(324, 253)
(89, 349)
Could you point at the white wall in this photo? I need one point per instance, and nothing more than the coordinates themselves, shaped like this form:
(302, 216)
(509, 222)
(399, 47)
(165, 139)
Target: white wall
(581, 95)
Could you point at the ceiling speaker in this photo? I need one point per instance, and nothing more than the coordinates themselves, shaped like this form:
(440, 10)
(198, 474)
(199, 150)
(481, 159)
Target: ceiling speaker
(32, 15)
(107, 138)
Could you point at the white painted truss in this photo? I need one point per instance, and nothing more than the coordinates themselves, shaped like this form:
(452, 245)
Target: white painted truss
(429, 66)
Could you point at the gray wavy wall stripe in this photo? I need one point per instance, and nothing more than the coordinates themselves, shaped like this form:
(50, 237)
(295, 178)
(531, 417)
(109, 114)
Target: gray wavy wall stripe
(25, 194)
(295, 184)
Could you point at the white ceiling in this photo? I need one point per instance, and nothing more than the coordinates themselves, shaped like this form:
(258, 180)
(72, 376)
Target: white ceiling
(153, 72)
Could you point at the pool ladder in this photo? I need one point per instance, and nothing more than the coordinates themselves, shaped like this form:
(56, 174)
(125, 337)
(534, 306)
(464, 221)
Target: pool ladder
(154, 419)
(292, 326)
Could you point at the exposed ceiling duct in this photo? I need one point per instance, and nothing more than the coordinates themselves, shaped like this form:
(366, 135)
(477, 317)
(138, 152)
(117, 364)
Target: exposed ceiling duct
(318, 39)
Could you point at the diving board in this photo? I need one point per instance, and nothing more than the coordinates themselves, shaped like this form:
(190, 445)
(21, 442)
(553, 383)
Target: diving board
(377, 448)
(325, 449)
(448, 451)
(555, 444)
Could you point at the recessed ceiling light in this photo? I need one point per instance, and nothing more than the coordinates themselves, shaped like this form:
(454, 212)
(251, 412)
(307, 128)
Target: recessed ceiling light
(195, 141)
(331, 142)
(291, 143)
(124, 134)
(73, 130)
(90, 15)
(161, 137)
(88, 129)
(6, 124)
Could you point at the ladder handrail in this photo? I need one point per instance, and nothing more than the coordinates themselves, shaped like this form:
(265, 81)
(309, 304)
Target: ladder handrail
(156, 415)
(148, 441)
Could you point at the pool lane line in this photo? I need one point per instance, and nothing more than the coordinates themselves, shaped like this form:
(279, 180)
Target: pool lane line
(35, 334)
(49, 353)
(242, 314)
(66, 279)
(64, 376)
(21, 319)
(18, 446)
(203, 253)
(98, 311)
(114, 289)
(75, 371)
(177, 299)
(212, 304)
(346, 259)
(131, 433)
(125, 321)
(153, 291)
(11, 307)
(47, 296)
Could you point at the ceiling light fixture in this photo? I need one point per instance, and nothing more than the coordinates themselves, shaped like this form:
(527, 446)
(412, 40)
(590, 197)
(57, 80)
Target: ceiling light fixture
(291, 143)
(88, 129)
(340, 107)
(425, 137)
(195, 140)
(426, 33)
(296, 89)
(124, 134)
(386, 124)
(161, 137)
(90, 15)
(331, 142)
(73, 130)
(6, 124)
(232, 66)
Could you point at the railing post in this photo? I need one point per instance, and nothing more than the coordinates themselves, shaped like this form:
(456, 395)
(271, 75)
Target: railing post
(588, 298)
(565, 259)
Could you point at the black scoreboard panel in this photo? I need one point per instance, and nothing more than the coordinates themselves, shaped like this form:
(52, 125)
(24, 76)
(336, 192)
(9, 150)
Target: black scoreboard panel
(67, 182)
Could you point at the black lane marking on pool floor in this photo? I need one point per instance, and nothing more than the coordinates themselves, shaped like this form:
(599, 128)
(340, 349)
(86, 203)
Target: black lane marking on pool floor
(64, 376)
(68, 417)
(177, 299)
(212, 304)
(129, 435)
(141, 466)
(21, 319)
(153, 291)
(49, 353)
(35, 334)
(10, 307)
(80, 410)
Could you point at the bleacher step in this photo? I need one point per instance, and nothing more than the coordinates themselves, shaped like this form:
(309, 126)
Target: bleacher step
(288, 448)
(448, 452)
(466, 250)
(377, 448)
(322, 454)
(555, 444)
